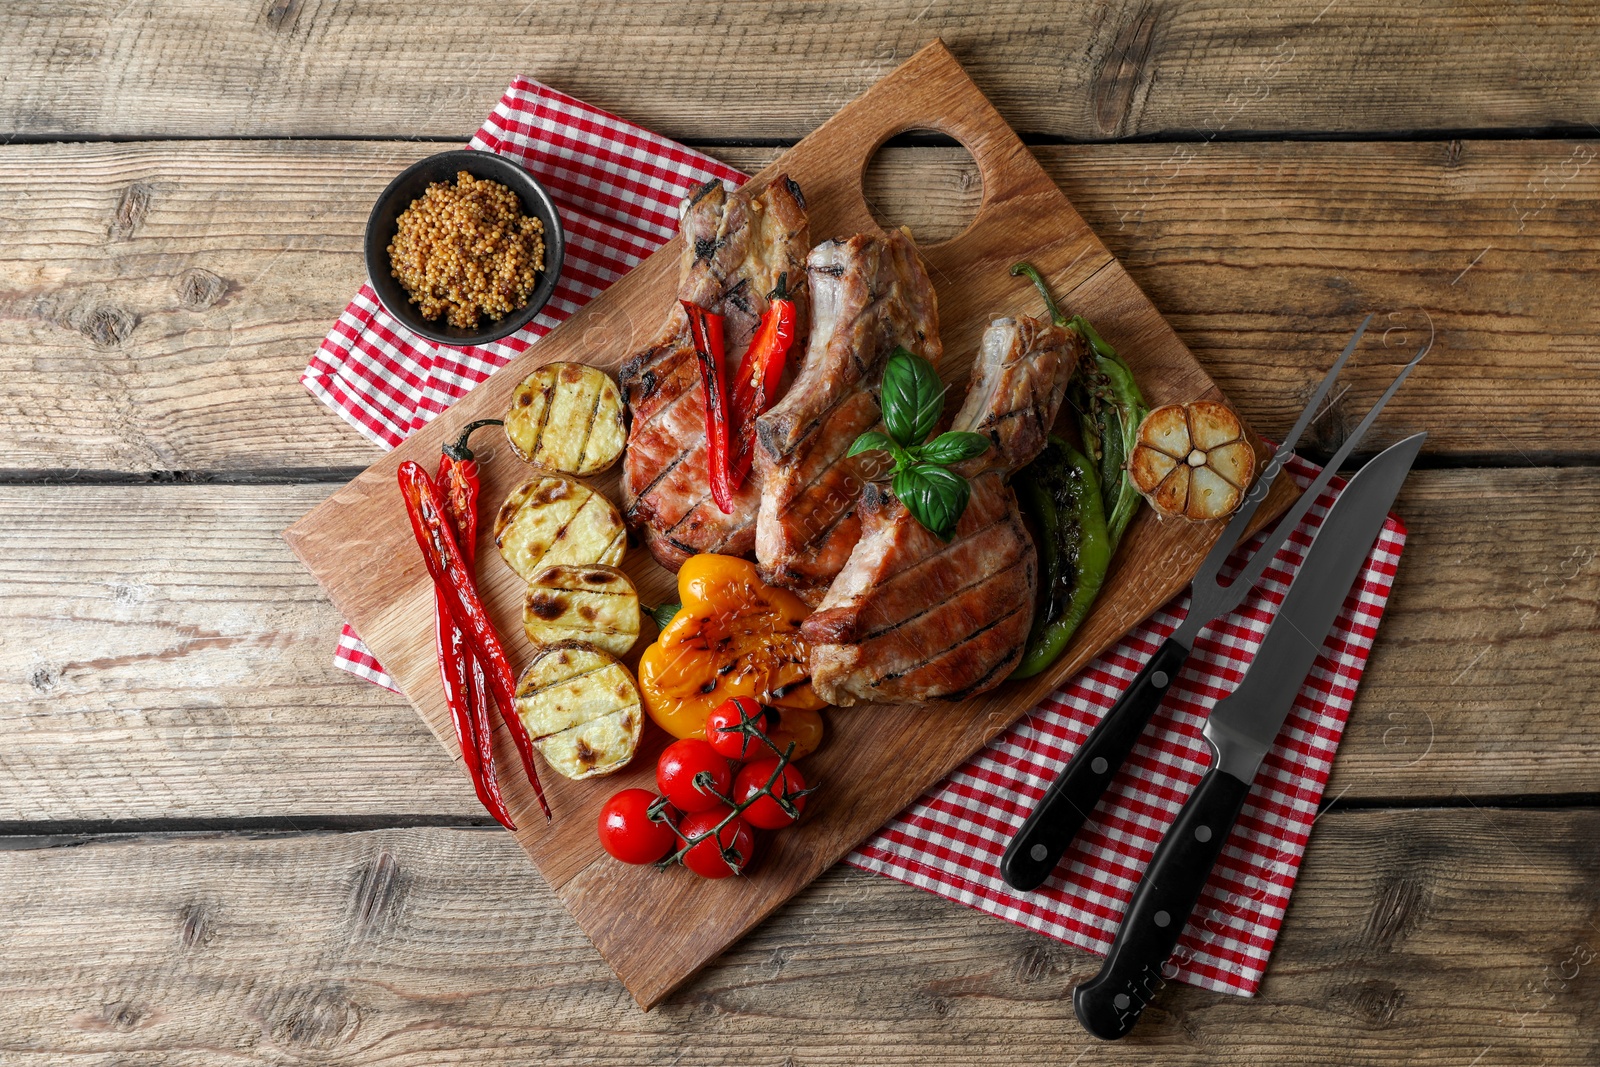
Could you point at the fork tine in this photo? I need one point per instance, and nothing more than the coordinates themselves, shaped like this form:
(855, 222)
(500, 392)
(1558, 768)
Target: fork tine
(1280, 533)
(1211, 566)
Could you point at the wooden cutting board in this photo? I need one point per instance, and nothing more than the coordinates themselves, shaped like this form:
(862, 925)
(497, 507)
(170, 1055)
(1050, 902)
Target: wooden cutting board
(656, 929)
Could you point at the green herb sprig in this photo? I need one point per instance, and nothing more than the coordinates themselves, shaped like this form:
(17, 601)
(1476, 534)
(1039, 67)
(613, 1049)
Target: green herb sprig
(912, 398)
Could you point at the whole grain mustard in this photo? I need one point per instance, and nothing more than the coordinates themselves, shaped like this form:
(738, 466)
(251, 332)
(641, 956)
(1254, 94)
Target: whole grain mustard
(466, 250)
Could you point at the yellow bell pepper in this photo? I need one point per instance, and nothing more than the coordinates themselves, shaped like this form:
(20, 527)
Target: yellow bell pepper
(735, 636)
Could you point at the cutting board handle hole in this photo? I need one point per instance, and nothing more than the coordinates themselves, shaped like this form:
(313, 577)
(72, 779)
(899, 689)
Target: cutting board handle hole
(925, 180)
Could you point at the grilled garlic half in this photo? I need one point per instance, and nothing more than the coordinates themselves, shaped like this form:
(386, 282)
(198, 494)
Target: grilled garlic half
(1193, 460)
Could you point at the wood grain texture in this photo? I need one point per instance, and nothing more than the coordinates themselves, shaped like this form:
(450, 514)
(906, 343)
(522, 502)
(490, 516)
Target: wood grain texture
(1090, 71)
(361, 549)
(1442, 939)
(166, 658)
(178, 345)
(170, 659)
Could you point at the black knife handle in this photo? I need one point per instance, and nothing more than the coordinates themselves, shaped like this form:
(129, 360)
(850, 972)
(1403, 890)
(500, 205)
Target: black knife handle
(1109, 1003)
(1067, 804)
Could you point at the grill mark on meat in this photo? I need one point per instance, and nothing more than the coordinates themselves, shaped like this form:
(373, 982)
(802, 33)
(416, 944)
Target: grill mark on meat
(728, 540)
(686, 515)
(681, 377)
(993, 676)
(979, 632)
(734, 250)
(794, 190)
(733, 532)
(1017, 387)
(832, 464)
(870, 295)
(739, 297)
(969, 587)
(640, 498)
(700, 193)
(902, 592)
(834, 524)
(944, 602)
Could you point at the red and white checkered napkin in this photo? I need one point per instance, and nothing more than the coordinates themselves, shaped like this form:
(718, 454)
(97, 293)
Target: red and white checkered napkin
(951, 840)
(617, 187)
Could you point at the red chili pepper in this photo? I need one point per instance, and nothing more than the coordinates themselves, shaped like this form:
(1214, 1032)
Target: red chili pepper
(755, 388)
(705, 329)
(453, 578)
(466, 690)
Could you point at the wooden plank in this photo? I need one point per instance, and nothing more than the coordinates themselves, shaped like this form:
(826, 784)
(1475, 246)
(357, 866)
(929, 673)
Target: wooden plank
(168, 658)
(1202, 67)
(362, 550)
(177, 343)
(1438, 938)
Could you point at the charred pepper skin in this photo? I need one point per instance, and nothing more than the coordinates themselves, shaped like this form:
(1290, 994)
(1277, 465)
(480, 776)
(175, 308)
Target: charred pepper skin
(453, 578)
(466, 689)
(705, 330)
(733, 635)
(1110, 408)
(760, 374)
(1062, 492)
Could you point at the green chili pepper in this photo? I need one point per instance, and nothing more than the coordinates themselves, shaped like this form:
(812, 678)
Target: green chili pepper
(1061, 491)
(1110, 408)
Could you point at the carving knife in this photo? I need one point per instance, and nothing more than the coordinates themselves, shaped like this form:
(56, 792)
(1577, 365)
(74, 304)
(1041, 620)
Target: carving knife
(1044, 837)
(1240, 730)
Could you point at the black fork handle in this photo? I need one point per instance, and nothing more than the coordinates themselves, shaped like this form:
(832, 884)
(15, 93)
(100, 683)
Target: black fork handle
(1071, 798)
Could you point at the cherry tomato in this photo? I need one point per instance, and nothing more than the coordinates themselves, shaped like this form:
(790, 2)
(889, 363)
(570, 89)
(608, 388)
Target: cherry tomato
(706, 858)
(767, 813)
(737, 726)
(801, 726)
(628, 832)
(684, 761)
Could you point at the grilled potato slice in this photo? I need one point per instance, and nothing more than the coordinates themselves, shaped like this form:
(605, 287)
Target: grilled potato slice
(567, 417)
(552, 519)
(595, 605)
(581, 708)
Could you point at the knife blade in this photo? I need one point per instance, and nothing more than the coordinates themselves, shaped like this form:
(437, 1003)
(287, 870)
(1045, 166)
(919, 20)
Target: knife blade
(1061, 813)
(1240, 730)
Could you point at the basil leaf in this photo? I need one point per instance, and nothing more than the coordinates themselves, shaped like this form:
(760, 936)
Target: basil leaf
(953, 447)
(871, 441)
(934, 496)
(663, 614)
(912, 398)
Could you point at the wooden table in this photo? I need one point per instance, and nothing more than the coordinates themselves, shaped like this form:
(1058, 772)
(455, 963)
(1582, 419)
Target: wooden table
(219, 849)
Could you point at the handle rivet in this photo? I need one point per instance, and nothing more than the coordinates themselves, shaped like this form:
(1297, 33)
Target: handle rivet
(1121, 1001)
(1159, 679)
(1098, 765)
(1163, 919)
(1038, 852)
(1202, 833)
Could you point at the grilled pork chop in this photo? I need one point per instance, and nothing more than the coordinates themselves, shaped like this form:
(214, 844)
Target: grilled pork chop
(869, 295)
(735, 249)
(911, 618)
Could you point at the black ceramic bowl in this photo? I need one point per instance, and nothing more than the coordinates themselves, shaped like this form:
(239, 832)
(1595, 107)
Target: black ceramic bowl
(412, 183)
